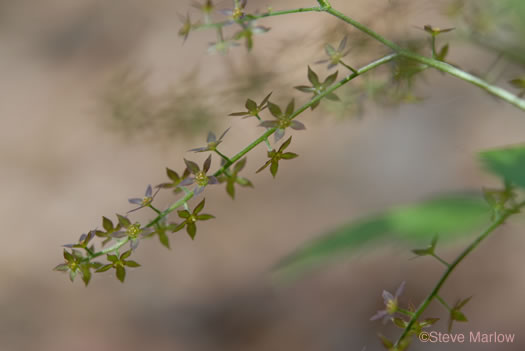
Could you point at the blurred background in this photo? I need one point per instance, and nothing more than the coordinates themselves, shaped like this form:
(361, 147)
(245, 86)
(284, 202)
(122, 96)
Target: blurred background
(98, 97)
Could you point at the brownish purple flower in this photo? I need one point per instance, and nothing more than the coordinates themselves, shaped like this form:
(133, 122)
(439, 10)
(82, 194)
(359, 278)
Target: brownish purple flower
(283, 120)
(199, 176)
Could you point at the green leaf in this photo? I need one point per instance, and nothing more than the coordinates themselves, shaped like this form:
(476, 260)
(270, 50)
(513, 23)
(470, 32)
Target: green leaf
(274, 167)
(313, 78)
(104, 268)
(86, 274)
(121, 273)
(305, 89)
(458, 316)
(163, 238)
(289, 155)
(239, 114)
(179, 227)
(191, 229)
(332, 97)
(63, 267)
(230, 189)
(443, 53)
(508, 163)
(132, 264)
(329, 246)
(192, 166)
(264, 166)
(125, 255)
(290, 108)
(265, 100)
(330, 79)
(205, 217)
(199, 207)
(184, 214)
(68, 256)
(251, 105)
(446, 216)
(107, 224)
(239, 165)
(285, 144)
(72, 275)
(274, 109)
(172, 175)
(330, 51)
(123, 221)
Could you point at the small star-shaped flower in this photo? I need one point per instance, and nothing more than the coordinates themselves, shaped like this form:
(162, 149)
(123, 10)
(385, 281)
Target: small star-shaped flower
(199, 176)
(283, 120)
(212, 141)
(252, 109)
(335, 56)
(191, 218)
(319, 88)
(145, 201)
(391, 304)
(276, 156)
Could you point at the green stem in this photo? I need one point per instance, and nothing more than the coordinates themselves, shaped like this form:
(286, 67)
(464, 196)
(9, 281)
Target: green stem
(440, 260)
(226, 158)
(433, 44)
(105, 251)
(439, 65)
(266, 141)
(497, 222)
(443, 303)
(347, 66)
(405, 312)
(154, 208)
(256, 17)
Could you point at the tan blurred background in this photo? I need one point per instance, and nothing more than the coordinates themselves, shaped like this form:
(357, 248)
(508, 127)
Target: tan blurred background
(66, 161)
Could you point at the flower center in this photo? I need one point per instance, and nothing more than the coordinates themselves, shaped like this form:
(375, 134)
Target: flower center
(284, 123)
(134, 231)
(146, 201)
(391, 306)
(201, 179)
(73, 266)
(237, 13)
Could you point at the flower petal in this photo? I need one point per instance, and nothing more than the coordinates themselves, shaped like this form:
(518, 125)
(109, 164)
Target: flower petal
(279, 133)
(269, 124)
(187, 181)
(379, 315)
(207, 164)
(192, 166)
(296, 125)
(211, 137)
(399, 290)
(149, 191)
(387, 296)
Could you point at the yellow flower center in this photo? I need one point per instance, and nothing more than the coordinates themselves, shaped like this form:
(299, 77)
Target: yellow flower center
(201, 179)
(237, 13)
(391, 306)
(134, 231)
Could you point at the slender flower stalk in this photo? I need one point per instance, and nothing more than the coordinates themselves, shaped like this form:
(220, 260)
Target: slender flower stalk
(502, 217)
